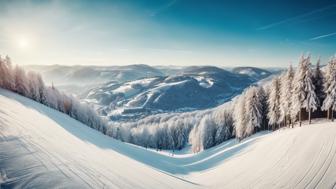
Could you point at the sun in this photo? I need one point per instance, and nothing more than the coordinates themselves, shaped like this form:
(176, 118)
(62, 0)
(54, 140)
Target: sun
(23, 43)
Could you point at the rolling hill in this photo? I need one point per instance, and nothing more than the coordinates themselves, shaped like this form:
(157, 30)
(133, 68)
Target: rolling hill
(193, 88)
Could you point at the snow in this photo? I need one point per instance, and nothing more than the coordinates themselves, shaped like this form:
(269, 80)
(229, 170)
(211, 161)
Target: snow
(128, 88)
(42, 148)
(160, 88)
(248, 72)
(204, 81)
(144, 82)
(292, 158)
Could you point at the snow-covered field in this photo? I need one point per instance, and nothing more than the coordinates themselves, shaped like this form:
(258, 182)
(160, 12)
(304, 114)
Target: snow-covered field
(42, 148)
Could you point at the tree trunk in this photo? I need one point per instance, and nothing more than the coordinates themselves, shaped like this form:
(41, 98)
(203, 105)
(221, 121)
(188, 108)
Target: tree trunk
(285, 121)
(300, 117)
(328, 113)
(332, 115)
(309, 115)
(290, 122)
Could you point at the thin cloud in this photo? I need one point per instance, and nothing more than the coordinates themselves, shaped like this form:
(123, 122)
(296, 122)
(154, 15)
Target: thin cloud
(296, 17)
(163, 8)
(323, 36)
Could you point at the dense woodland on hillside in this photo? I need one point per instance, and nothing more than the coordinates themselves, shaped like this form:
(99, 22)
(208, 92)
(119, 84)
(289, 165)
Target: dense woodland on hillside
(295, 95)
(31, 85)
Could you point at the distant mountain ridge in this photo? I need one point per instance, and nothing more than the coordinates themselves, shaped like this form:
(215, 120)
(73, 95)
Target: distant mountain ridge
(254, 72)
(191, 88)
(133, 91)
(60, 74)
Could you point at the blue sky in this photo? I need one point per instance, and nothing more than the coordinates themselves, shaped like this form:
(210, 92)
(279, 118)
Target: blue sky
(167, 32)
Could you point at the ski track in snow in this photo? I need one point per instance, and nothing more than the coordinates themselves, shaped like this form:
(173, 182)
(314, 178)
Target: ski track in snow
(42, 148)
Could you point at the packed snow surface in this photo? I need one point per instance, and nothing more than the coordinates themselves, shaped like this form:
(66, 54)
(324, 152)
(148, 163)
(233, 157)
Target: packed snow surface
(42, 148)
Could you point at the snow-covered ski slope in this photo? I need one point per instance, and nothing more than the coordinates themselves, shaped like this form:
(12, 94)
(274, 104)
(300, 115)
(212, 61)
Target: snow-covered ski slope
(42, 148)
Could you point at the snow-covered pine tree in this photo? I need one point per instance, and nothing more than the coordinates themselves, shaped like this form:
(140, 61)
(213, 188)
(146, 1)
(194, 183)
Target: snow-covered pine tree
(181, 134)
(264, 104)
(163, 139)
(285, 95)
(6, 75)
(330, 87)
(51, 99)
(253, 110)
(318, 83)
(274, 103)
(208, 132)
(41, 89)
(298, 93)
(223, 120)
(3, 74)
(239, 117)
(20, 81)
(10, 78)
(33, 86)
(311, 101)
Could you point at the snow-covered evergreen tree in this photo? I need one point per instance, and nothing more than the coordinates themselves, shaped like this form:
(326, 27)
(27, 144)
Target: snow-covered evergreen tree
(51, 98)
(299, 89)
(330, 87)
(253, 110)
(286, 95)
(264, 104)
(274, 103)
(239, 117)
(6, 74)
(318, 83)
(303, 94)
(208, 132)
(311, 101)
(20, 81)
(41, 89)
(3, 72)
(224, 124)
(33, 86)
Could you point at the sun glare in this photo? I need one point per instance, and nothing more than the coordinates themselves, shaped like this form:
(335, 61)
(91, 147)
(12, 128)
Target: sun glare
(23, 43)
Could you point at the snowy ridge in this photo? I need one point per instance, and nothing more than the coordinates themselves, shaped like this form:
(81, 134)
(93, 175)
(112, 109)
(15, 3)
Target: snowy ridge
(254, 72)
(84, 75)
(208, 86)
(58, 151)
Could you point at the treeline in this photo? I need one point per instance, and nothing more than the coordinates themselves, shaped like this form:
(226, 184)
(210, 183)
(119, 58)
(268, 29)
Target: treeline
(31, 85)
(289, 97)
(202, 129)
